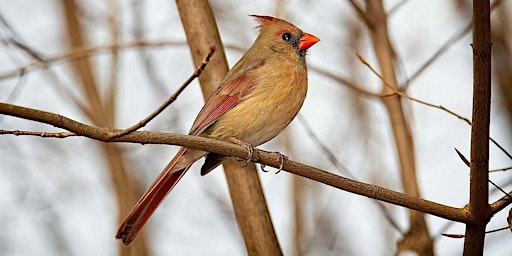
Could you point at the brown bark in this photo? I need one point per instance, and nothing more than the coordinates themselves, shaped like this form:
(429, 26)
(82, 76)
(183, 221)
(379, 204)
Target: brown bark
(479, 209)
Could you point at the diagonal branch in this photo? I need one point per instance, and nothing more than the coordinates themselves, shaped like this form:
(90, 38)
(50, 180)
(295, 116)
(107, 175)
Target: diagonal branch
(428, 104)
(171, 99)
(450, 42)
(82, 52)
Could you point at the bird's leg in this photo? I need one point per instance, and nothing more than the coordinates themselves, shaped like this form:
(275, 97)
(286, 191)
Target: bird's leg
(249, 147)
(283, 160)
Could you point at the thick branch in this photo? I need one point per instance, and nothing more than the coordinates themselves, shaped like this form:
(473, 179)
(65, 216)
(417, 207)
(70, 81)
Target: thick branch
(479, 208)
(501, 203)
(244, 184)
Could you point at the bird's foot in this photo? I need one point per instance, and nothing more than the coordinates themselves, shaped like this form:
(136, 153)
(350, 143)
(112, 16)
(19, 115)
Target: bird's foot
(250, 149)
(282, 158)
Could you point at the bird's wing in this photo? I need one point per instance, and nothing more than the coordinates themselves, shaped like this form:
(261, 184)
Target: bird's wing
(226, 97)
(223, 99)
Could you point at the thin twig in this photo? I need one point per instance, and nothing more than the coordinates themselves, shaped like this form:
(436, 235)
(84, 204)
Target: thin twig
(14, 39)
(327, 152)
(456, 37)
(501, 169)
(459, 35)
(501, 203)
(171, 99)
(59, 135)
(468, 164)
(402, 94)
(82, 53)
(501, 148)
(500, 189)
(362, 14)
(342, 80)
(463, 158)
(463, 236)
(363, 60)
(396, 7)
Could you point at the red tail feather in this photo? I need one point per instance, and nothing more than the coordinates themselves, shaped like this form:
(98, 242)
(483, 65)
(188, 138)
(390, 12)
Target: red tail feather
(148, 203)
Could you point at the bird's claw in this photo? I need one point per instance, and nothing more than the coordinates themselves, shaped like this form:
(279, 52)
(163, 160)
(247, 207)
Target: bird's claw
(282, 158)
(249, 147)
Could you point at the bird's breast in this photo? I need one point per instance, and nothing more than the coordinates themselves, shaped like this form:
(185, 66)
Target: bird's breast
(273, 102)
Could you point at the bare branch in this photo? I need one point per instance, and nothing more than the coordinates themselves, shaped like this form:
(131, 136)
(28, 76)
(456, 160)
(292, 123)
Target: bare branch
(478, 206)
(59, 135)
(342, 80)
(443, 108)
(85, 52)
(501, 203)
(451, 41)
(171, 99)
(225, 148)
(501, 169)
(463, 158)
(360, 12)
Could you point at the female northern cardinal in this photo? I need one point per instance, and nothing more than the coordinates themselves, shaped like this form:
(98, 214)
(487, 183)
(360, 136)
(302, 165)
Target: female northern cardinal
(257, 99)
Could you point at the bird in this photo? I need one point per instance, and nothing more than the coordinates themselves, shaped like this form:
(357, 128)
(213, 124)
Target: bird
(257, 99)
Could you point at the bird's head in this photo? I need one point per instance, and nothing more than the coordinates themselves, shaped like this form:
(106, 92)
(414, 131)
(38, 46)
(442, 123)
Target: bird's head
(283, 37)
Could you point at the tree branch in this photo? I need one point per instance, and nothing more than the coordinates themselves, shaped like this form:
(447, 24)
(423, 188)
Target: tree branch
(478, 207)
(230, 149)
(171, 99)
(244, 184)
(83, 52)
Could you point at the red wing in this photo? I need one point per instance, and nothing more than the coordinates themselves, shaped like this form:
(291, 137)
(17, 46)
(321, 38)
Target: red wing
(223, 99)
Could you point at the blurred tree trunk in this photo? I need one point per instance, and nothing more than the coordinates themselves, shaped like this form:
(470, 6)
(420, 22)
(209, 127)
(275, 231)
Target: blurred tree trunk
(100, 115)
(244, 185)
(502, 57)
(417, 237)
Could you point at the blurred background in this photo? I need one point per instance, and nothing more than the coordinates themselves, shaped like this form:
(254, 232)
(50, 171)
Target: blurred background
(62, 196)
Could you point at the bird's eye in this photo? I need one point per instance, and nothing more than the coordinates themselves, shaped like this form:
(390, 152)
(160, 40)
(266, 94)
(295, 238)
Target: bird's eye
(286, 36)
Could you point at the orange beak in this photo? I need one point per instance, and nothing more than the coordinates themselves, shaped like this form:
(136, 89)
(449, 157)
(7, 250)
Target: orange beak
(307, 40)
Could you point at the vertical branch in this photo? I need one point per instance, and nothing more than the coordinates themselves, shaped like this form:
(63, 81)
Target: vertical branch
(299, 190)
(244, 184)
(82, 67)
(478, 195)
(417, 238)
(113, 26)
(100, 115)
(502, 56)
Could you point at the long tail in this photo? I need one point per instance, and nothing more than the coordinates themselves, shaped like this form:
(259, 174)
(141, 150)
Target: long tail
(148, 203)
